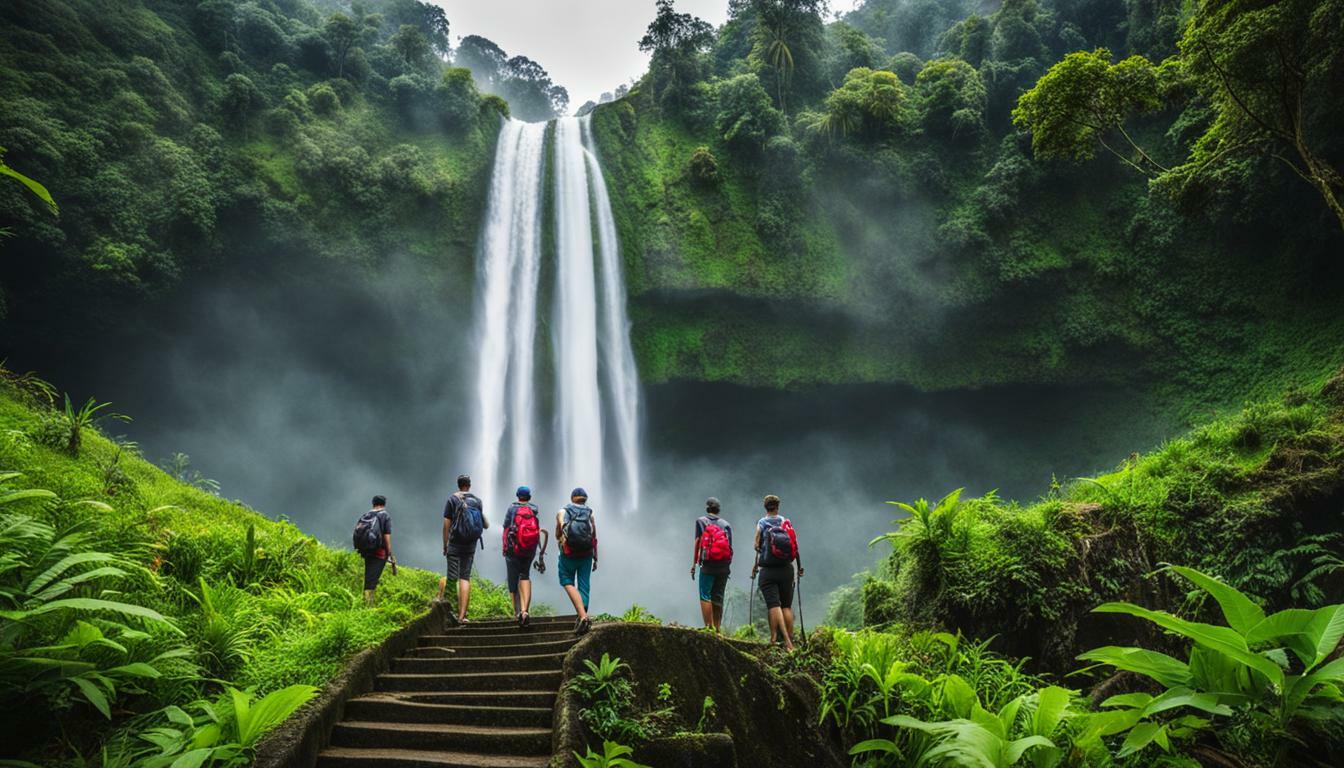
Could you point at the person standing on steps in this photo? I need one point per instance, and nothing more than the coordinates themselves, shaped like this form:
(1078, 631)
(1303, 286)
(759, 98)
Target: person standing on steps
(463, 524)
(576, 532)
(713, 552)
(522, 531)
(373, 540)
(776, 550)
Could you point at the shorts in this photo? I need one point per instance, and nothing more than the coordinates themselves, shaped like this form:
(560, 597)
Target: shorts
(517, 567)
(776, 584)
(712, 587)
(459, 565)
(373, 571)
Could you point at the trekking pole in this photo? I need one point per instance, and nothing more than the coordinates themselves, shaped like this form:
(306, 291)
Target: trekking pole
(802, 625)
(751, 604)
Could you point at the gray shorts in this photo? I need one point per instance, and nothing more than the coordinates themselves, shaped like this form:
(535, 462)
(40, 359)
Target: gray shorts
(459, 565)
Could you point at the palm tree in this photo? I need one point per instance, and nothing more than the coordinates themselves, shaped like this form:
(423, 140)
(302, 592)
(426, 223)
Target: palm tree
(780, 56)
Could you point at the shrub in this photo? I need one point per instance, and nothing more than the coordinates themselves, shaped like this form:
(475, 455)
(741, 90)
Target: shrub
(704, 167)
(323, 99)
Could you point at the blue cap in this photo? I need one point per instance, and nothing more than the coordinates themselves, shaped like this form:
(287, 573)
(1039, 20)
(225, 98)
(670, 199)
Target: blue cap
(578, 492)
(523, 490)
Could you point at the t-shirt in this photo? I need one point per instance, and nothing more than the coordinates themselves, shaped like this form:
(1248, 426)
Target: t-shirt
(710, 567)
(769, 521)
(384, 525)
(457, 503)
(561, 517)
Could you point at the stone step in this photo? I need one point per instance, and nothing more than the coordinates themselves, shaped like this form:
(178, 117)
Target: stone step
(533, 622)
(493, 740)
(466, 637)
(393, 709)
(510, 663)
(522, 647)
(479, 698)
(470, 681)
(345, 757)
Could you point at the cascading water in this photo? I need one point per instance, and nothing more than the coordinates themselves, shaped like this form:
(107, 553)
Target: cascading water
(595, 420)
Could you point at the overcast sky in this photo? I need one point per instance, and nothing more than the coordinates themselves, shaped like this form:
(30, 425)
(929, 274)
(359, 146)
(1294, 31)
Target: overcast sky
(588, 46)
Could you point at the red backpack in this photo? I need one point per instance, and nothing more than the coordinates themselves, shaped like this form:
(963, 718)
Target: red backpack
(522, 535)
(714, 544)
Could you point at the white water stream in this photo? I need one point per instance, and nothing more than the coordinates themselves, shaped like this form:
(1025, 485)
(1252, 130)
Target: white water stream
(587, 434)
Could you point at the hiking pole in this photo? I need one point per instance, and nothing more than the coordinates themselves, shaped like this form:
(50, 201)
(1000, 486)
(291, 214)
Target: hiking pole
(751, 604)
(802, 625)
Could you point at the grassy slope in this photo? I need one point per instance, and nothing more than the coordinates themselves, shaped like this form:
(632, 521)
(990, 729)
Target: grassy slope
(1238, 498)
(295, 617)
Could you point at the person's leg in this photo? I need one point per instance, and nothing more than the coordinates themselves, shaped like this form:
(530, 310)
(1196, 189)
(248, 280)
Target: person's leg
(716, 600)
(584, 576)
(786, 626)
(566, 572)
(776, 621)
(511, 569)
(706, 588)
(464, 585)
(373, 569)
(524, 566)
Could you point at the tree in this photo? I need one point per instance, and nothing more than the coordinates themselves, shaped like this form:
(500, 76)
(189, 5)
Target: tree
(746, 118)
(787, 34)
(952, 98)
(1271, 73)
(341, 33)
(677, 41)
(870, 102)
(1084, 98)
(241, 99)
(484, 59)
(411, 45)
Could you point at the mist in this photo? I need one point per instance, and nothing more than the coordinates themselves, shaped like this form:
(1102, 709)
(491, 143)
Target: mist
(305, 396)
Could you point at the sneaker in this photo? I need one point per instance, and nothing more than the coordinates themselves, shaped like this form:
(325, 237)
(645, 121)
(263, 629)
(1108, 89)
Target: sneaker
(518, 618)
(583, 626)
(526, 618)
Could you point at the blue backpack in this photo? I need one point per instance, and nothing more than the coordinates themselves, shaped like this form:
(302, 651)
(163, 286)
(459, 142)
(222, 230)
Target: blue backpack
(469, 522)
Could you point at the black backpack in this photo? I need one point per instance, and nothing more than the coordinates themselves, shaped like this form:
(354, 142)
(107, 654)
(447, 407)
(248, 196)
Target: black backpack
(369, 532)
(578, 529)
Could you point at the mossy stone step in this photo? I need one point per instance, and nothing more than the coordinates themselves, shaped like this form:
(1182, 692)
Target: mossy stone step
(506, 663)
(476, 651)
(470, 681)
(393, 709)
(466, 637)
(346, 757)
(479, 698)
(491, 740)
(535, 621)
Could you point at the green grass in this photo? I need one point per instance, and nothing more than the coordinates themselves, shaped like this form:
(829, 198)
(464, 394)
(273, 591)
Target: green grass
(287, 610)
(1250, 498)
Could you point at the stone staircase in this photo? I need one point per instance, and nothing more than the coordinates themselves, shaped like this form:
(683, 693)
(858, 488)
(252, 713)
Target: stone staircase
(479, 696)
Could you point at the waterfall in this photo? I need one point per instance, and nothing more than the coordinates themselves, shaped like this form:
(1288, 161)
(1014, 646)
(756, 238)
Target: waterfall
(592, 438)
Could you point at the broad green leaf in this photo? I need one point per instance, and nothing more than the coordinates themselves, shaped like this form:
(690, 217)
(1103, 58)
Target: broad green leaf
(1241, 613)
(94, 695)
(1325, 632)
(958, 696)
(1129, 700)
(875, 745)
(89, 604)
(137, 669)
(1222, 639)
(65, 564)
(1052, 702)
(1015, 749)
(33, 186)
(193, 759)
(31, 493)
(1139, 737)
(1184, 697)
(1166, 670)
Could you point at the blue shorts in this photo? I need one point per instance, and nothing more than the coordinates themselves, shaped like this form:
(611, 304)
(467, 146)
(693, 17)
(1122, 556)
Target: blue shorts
(712, 587)
(575, 572)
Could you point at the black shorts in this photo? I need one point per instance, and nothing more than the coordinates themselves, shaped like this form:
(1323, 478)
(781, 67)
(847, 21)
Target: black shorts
(517, 567)
(776, 584)
(373, 570)
(459, 565)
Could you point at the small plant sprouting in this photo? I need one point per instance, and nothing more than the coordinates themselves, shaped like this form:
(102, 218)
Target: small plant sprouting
(709, 712)
(86, 416)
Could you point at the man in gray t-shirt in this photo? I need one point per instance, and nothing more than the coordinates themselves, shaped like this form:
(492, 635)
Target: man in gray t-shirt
(459, 553)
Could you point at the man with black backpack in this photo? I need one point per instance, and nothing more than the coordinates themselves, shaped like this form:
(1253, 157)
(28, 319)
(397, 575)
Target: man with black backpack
(373, 541)
(522, 532)
(713, 552)
(463, 525)
(577, 534)
(776, 550)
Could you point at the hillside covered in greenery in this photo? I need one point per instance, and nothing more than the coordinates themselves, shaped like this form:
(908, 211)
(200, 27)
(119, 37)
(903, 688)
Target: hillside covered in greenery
(873, 199)
(136, 601)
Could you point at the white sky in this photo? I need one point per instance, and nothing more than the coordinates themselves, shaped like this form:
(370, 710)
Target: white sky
(588, 46)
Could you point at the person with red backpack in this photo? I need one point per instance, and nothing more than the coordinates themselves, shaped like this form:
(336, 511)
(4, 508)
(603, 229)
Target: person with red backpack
(776, 551)
(713, 553)
(522, 533)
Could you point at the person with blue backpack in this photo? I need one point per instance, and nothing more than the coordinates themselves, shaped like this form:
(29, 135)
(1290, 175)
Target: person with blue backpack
(577, 534)
(713, 553)
(373, 541)
(464, 523)
(776, 551)
(522, 532)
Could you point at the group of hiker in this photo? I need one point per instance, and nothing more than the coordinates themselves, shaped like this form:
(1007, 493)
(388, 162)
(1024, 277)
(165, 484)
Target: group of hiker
(524, 542)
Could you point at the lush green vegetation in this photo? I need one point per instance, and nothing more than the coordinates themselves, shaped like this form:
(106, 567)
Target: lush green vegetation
(184, 140)
(151, 618)
(806, 202)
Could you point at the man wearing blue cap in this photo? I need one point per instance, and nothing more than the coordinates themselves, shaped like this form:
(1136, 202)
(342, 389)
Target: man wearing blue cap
(577, 534)
(522, 533)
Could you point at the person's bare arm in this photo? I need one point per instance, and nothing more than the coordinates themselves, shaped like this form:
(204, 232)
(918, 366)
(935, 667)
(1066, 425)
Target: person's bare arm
(447, 528)
(695, 556)
(595, 540)
(545, 540)
(756, 560)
